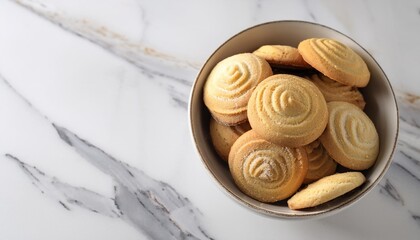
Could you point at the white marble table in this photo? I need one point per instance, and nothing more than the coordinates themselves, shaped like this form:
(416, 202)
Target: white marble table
(94, 130)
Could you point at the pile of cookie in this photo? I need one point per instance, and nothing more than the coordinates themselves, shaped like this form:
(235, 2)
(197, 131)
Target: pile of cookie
(285, 119)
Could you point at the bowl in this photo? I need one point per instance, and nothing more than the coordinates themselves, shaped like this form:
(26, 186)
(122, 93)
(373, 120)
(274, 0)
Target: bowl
(381, 107)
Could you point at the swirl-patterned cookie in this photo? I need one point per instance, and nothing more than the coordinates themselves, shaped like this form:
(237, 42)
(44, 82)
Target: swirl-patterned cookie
(350, 138)
(223, 136)
(320, 163)
(326, 189)
(282, 56)
(265, 171)
(230, 84)
(335, 91)
(288, 110)
(335, 60)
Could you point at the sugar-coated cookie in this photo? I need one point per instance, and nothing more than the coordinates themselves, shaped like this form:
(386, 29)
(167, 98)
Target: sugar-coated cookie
(265, 171)
(335, 91)
(335, 60)
(230, 84)
(350, 138)
(326, 189)
(320, 163)
(282, 56)
(288, 110)
(223, 136)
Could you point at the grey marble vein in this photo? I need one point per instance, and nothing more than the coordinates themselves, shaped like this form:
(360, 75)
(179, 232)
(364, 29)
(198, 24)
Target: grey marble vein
(153, 219)
(153, 207)
(65, 194)
(257, 10)
(178, 98)
(167, 214)
(258, 4)
(132, 178)
(407, 171)
(408, 146)
(309, 11)
(410, 158)
(162, 68)
(20, 96)
(408, 164)
(117, 44)
(407, 157)
(170, 213)
(416, 218)
(388, 189)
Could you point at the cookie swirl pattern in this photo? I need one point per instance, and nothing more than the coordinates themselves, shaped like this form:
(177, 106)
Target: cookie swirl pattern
(320, 163)
(350, 138)
(230, 84)
(223, 136)
(282, 56)
(288, 110)
(335, 91)
(266, 171)
(335, 60)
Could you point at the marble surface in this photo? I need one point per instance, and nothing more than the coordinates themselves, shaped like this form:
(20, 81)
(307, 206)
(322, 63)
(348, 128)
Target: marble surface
(94, 130)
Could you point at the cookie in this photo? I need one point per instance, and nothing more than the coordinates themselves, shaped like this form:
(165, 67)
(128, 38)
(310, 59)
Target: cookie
(335, 91)
(335, 60)
(326, 189)
(230, 84)
(265, 171)
(320, 163)
(350, 138)
(288, 110)
(282, 56)
(223, 136)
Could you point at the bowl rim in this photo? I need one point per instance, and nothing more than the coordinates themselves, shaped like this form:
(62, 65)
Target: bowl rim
(266, 212)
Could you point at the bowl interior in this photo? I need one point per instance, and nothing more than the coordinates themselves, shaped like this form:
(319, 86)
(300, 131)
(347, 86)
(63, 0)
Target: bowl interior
(381, 108)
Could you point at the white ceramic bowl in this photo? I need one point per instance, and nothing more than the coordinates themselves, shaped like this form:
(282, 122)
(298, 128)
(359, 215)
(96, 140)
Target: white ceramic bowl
(381, 107)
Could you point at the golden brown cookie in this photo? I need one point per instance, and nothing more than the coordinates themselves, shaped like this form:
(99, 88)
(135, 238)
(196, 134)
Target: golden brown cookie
(335, 60)
(230, 84)
(350, 138)
(223, 136)
(288, 110)
(326, 189)
(320, 163)
(335, 91)
(265, 171)
(282, 56)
